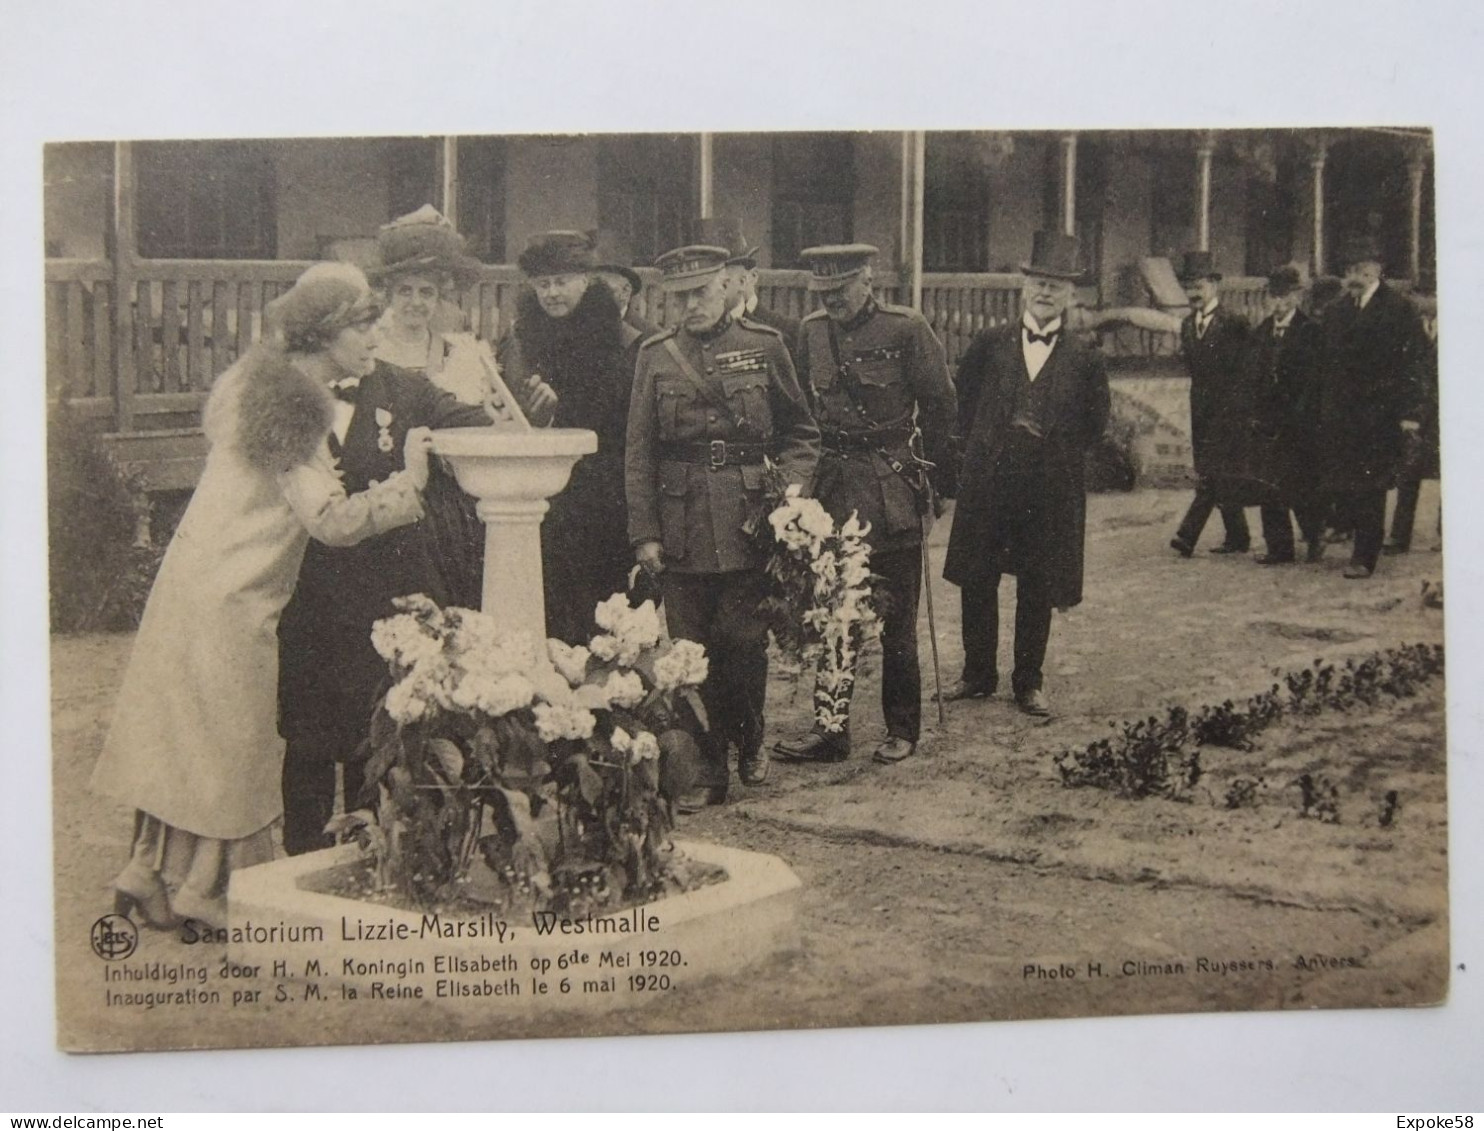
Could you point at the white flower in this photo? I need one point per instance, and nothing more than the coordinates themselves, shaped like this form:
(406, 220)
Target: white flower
(641, 627)
(605, 647)
(646, 748)
(624, 689)
(508, 693)
(622, 740)
(685, 664)
(403, 704)
(402, 639)
(610, 614)
(553, 722)
(570, 662)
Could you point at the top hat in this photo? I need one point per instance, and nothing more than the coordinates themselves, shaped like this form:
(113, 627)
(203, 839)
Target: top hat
(831, 266)
(1360, 248)
(612, 253)
(1284, 281)
(714, 231)
(557, 253)
(1054, 255)
(423, 242)
(326, 298)
(1199, 265)
(686, 268)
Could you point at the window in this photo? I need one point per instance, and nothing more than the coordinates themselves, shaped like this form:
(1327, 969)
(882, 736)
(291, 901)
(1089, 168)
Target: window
(813, 193)
(482, 197)
(955, 224)
(206, 200)
(644, 190)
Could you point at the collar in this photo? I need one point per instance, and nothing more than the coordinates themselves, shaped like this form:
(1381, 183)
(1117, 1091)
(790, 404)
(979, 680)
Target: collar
(1210, 308)
(1286, 321)
(1029, 323)
(862, 316)
(750, 305)
(1369, 293)
(723, 324)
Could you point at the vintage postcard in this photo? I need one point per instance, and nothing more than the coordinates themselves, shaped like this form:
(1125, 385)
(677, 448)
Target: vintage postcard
(534, 586)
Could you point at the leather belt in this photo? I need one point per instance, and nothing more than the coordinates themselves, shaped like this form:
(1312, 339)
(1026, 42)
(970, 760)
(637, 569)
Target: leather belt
(712, 453)
(840, 441)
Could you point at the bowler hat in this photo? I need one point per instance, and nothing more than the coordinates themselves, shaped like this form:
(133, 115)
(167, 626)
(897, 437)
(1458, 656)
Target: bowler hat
(423, 242)
(1054, 255)
(831, 266)
(612, 253)
(686, 268)
(557, 253)
(327, 298)
(1284, 281)
(1199, 265)
(1360, 248)
(715, 231)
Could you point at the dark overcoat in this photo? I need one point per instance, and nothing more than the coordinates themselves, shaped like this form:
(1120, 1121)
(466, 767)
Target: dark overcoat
(1284, 373)
(1221, 396)
(329, 674)
(1371, 380)
(991, 376)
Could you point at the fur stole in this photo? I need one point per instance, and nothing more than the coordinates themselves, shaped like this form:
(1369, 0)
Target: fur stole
(581, 356)
(274, 415)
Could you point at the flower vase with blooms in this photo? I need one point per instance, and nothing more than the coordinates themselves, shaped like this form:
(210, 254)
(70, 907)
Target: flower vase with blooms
(821, 608)
(504, 777)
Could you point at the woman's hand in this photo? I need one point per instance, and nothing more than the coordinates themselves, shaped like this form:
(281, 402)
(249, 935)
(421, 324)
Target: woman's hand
(415, 451)
(651, 555)
(541, 401)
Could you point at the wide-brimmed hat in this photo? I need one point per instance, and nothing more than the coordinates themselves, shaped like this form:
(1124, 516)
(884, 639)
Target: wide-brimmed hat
(686, 268)
(833, 265)
(1359, 249)
(1284, 281)
(1199, 265)
(558, 253)
(613, 253)
(721, 231)
(326, 298)
(423, 242)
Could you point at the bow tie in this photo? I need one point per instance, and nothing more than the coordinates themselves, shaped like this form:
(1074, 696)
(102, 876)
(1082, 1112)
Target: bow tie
(346, 390)
(1049, 338)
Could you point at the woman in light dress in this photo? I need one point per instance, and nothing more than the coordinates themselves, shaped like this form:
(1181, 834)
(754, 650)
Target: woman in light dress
(194, 747)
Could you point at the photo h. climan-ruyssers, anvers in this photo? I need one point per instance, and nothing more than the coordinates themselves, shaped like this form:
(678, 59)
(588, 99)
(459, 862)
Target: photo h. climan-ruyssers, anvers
(510, 586)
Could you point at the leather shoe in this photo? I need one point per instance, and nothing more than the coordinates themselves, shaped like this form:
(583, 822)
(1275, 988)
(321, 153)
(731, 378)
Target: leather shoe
(816, 746)
(1182, 547)
(1355, 572)
(963, 689)
(1274, 559)
(1033, 703)
(894, 749)
(1315, 553)
(1395, 548)
(694, 800)
(752, 766)
(1226, 548)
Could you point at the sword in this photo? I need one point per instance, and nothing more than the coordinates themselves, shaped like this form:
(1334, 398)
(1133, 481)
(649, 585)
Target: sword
(927, 584)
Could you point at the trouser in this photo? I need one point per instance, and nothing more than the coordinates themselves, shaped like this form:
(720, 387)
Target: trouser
(720, 612)
(1233, 518)
(898, 590)
(981, 631)
(1277, 527)
(1366, 512)
(1408, 490)
(309, 793)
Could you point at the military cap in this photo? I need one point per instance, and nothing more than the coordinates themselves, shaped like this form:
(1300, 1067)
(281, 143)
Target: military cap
(1199, 265)
(557, 253)
(686, 268)
(713, 231)
(831, 266)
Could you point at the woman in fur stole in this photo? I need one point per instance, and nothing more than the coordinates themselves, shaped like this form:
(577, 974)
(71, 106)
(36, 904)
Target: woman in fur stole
(194, 747)
(570, 333)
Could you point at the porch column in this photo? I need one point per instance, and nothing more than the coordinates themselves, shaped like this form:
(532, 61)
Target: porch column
(1069, 184)
(1316, 164)
(914, 178)
(705, 171)
(1203, 154)
(1416, 169)
(450, 180)
(125, 257)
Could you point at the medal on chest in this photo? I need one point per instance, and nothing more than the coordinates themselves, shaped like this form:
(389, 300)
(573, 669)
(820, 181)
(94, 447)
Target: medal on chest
(384, 430)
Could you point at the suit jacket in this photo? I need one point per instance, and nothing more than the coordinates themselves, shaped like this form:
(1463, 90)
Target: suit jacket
(1221, 401)
(329, 674)
(1284, 376)
(1371, 380)
(991, 375)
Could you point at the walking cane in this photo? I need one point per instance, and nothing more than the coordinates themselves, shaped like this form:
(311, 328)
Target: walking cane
(927, 582)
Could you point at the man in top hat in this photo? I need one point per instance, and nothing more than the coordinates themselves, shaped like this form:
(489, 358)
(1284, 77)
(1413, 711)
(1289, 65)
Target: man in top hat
(882, 396)
(1371, 395)
(742, 263)
(1284, 356)
(569, 332)
(615, 269)
(1420, 453)
(1032, 400)
(1213, 342)
(712, 398)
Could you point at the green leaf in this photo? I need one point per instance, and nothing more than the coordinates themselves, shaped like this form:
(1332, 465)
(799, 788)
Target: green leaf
(450, 758)
(589, 784)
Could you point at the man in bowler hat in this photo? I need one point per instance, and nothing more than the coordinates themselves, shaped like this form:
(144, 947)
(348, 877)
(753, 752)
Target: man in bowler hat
(712, 398)
(879, 384)
(1032, 400)
(1213, 342)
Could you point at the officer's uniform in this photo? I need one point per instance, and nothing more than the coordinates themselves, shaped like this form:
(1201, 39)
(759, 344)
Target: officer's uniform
(874, 382)
(698, 431)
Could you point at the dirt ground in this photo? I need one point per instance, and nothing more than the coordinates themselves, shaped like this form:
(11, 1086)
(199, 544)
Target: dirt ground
(964, 883)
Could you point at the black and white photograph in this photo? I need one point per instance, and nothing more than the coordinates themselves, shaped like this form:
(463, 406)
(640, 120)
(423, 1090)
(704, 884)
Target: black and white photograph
(509, 581)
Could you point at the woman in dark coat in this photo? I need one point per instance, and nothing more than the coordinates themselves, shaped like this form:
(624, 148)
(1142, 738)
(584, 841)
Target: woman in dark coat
(571, 334)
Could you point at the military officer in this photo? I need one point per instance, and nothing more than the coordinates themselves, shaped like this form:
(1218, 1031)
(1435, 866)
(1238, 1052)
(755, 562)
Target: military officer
(879, 384)
(742, 263)
(712, 397)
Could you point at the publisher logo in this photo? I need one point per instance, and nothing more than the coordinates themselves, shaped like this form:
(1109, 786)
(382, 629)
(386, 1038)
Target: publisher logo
(114, 937)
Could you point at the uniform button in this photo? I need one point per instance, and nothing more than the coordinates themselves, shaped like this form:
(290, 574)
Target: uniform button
(710, 369)
(711, 416)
